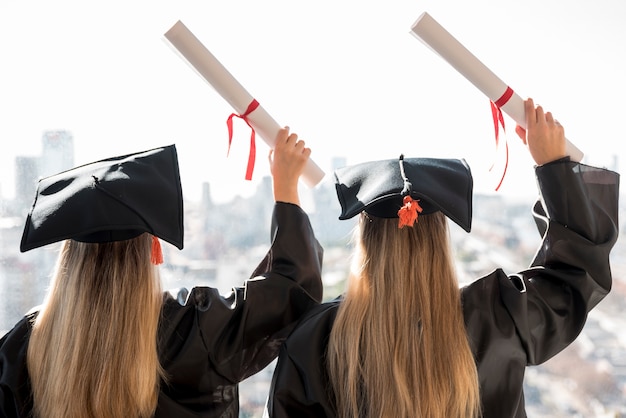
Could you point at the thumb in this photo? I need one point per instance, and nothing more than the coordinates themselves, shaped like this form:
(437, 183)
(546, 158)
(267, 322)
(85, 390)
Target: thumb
(521, 132)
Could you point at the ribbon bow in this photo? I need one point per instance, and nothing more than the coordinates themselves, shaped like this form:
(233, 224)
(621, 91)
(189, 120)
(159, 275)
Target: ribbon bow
(498, 119)
(229, 122)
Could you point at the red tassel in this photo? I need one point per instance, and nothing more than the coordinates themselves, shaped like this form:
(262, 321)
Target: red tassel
(408, 213)
(157, 254)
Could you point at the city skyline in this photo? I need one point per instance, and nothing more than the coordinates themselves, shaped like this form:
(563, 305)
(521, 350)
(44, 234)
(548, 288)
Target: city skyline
(222, 249)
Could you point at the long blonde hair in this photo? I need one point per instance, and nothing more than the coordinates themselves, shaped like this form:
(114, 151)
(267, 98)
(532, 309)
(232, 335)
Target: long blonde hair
(93, 349)
(398, 347)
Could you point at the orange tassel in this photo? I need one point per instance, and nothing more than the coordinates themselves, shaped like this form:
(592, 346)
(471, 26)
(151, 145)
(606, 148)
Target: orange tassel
(408, 213)
(157, 254)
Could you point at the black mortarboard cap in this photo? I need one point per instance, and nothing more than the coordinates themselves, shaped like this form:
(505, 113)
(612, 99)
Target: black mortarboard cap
(114, 199)
(378, 188)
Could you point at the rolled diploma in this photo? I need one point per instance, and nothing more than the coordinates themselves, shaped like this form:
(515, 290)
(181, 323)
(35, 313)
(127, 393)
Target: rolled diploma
(431, 33)
(209, 68)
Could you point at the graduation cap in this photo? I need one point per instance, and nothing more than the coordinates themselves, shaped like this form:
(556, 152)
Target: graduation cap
(114, 199)
(424, 185)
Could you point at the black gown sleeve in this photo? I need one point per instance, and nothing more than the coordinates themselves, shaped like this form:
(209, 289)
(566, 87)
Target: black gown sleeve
(241, 334)
(526, 318)
(570, 273)
(284, 286)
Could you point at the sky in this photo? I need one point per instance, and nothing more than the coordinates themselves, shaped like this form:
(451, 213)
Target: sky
(346, 75)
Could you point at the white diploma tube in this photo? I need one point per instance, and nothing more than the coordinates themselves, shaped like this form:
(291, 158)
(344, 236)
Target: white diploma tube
(209, 68)
(431, 33)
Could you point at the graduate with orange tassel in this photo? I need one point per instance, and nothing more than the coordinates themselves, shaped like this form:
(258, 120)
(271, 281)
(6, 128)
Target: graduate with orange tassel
(404, 340)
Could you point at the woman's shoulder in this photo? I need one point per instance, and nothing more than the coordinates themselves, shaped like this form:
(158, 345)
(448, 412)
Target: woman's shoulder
(15, 389)
(323, 313)
(21, 331)
(13, 348)
(316, 324)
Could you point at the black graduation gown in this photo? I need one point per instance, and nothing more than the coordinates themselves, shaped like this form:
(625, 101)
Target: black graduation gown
(209, 343)
(512, 321)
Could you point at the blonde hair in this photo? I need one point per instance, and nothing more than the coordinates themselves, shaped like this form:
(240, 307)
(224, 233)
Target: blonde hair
(398, 347)
(93, 349)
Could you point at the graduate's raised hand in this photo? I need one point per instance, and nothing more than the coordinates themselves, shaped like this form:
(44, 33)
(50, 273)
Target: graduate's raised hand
(544, 136)
(287, 161)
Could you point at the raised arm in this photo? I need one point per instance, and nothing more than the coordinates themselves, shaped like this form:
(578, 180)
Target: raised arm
(577, 220)
(287, 282)
(516, 320)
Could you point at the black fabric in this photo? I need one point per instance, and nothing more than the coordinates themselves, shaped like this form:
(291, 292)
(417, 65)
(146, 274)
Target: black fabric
(376, 187)
(512, 321)
(109, 200)
(15, 390)
(208, 343)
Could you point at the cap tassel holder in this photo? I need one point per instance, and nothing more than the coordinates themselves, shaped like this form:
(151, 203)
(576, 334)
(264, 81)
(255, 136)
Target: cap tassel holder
(411, 208)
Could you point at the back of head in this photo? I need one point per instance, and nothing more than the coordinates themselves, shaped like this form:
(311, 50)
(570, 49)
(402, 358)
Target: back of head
(398, 346)
(421, 251)
(101, 316)
(93, 348)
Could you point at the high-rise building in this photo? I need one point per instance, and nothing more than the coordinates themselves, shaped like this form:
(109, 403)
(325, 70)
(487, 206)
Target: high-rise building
(57, 152)
(337, 162)
(26, 176)
(207, 199)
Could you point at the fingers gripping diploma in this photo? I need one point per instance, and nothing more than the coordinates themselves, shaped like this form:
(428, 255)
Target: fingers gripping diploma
(544, 136)
(287, 162)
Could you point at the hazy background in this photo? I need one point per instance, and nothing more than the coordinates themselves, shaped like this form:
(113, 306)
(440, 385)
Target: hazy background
(344, 74)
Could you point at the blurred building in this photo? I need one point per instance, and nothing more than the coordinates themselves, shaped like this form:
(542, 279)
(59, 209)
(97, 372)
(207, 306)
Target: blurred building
(57, 152)
(26, 176)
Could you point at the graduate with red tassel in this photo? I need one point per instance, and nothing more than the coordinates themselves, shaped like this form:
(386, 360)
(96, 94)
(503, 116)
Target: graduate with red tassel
(107, 341)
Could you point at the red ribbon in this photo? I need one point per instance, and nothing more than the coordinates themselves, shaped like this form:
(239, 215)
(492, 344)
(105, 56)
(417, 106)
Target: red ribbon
(229, 122)
(498, 119)
(508, 93)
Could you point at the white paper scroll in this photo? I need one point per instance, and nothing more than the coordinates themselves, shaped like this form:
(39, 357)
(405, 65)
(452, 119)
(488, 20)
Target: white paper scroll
(431, 33)
(209, 68)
